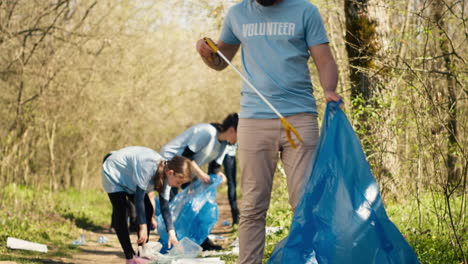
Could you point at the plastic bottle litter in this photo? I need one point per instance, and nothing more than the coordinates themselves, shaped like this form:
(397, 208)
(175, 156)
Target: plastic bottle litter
(15, 243)
(80, 241)
(226, 223)
(102, 240)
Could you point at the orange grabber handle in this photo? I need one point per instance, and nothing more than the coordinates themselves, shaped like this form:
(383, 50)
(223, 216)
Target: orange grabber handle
(212, 46)
(289, 128)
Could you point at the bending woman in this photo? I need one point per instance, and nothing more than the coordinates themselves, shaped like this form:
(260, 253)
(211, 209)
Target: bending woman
(202, 144)
(136, 171)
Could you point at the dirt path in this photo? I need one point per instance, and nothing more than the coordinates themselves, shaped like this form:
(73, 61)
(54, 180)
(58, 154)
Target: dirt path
(111, 252)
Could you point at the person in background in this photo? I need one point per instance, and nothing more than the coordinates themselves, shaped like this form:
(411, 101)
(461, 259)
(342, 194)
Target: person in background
(230, 170)
(134, 172)
(202, 144)
(277, 37)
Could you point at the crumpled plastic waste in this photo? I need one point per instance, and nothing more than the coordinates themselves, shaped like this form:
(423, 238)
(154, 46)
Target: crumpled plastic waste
(269, 230)
(199, 261)
(80, 241)
(151, 249)
(194, 212)
(235, 247)
(185, 249)
(340, 217)
(102, 240)
(216, 237)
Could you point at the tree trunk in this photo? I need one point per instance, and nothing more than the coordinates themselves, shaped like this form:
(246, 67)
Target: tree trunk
(454, 181)
(451, 125)
(360, 45)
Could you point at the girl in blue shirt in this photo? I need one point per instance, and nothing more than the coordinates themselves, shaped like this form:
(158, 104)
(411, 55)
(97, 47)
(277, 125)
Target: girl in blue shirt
(134, 172)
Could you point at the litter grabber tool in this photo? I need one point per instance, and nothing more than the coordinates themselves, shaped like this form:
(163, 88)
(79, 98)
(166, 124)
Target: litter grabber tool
(287, 126)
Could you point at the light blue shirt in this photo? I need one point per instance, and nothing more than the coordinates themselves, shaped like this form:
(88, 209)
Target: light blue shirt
(202, 139)
(127, 168)
(230, 150)
(275, 42)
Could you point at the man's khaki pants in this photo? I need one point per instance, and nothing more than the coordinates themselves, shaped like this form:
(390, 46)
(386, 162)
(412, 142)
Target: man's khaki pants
(260, 141)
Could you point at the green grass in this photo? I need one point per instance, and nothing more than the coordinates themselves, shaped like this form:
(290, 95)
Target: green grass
(428, 232)
(51, 218)
(57, 218)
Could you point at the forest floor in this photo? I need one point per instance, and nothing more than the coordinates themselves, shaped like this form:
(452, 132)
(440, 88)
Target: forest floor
(110, 253)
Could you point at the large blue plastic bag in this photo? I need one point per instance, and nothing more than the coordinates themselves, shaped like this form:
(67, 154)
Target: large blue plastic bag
(340, 217)
(194, 212)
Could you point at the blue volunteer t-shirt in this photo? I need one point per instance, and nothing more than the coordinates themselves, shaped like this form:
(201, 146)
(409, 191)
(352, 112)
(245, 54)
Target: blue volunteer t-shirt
(127, 168)
(275, 41)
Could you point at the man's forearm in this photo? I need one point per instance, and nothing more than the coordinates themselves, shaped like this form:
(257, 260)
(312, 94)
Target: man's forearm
(329, 76)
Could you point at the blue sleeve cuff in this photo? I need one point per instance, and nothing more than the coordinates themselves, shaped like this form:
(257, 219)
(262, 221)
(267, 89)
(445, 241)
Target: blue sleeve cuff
(140, 205)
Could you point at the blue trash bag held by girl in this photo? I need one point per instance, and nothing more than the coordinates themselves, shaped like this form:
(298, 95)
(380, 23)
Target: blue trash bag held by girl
(194, 212)
(340, 217)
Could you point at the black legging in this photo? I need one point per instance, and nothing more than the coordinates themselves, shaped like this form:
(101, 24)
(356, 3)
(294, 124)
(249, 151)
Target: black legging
(229, 164)
(130, 207)
(119, 219)
(131, 213)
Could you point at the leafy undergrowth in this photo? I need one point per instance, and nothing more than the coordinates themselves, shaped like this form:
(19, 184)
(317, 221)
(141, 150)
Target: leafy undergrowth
(427, 229)
(51, 218)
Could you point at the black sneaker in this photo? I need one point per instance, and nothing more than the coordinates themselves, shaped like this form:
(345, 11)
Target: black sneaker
(209, 245)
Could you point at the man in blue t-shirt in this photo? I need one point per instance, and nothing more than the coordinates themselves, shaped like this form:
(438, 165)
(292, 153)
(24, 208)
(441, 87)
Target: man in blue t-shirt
(277, 38)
